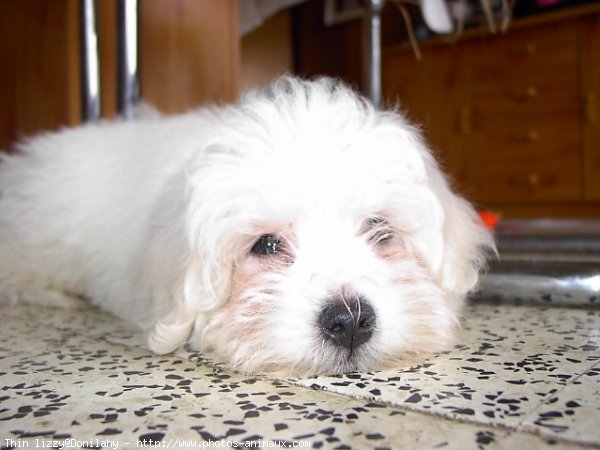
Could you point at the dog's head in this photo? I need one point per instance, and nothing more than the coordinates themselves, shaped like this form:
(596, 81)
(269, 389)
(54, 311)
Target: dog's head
(320, 237)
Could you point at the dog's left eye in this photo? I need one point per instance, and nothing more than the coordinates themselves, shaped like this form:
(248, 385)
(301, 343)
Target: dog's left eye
(379, 229)
(266, 245)
(381, 237)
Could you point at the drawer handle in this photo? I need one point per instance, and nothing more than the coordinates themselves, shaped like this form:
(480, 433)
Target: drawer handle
(525, 94)
(531, 180)
(526, 50)
(524, 138)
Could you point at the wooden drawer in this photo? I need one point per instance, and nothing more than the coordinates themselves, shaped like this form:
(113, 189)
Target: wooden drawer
(528, 140)
(550, 180)
(523, 95)
(537, 53)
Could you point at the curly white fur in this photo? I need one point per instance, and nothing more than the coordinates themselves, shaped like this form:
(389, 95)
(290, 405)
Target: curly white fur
(156, 219)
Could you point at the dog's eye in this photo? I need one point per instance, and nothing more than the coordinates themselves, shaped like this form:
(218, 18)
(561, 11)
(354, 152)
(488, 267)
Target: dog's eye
(381, 237)
(379, 230)
(376, 221)
(267, 244)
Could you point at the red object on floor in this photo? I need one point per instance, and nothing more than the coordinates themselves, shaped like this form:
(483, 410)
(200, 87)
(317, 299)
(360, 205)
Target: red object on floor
(489, 218)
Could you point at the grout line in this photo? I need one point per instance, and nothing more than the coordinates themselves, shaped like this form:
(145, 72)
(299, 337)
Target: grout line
(540, 431)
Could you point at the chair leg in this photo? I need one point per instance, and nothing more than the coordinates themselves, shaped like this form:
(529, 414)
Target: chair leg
(372, 46)
(90, 67)
(128, 90)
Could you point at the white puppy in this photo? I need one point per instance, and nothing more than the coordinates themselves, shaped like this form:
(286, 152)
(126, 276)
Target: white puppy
(301, 230)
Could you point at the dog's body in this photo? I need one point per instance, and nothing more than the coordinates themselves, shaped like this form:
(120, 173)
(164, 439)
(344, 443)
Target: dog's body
(300, 230)
(80, 210)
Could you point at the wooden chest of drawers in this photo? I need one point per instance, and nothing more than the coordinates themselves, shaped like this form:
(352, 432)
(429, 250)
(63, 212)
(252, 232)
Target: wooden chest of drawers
(513, 116)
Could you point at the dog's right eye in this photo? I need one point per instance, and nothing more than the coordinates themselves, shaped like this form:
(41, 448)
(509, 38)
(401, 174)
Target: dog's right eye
(266, 245)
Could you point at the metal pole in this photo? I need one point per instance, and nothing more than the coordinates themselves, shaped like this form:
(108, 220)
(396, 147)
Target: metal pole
(127, 57)
(90, 75)
(373, 51)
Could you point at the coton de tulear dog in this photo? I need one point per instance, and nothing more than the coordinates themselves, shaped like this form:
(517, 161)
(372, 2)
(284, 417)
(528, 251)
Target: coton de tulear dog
(299, 231)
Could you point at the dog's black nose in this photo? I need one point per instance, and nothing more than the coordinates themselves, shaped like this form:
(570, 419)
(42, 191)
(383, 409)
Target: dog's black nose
(347, 322)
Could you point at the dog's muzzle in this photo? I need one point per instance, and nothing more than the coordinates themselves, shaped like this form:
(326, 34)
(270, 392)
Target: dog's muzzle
(347, 323)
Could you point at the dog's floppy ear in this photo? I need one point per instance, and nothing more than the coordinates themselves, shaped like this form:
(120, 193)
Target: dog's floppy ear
(199, 289)
(456, 244)
(185, 282)
(175, 314)
(466, 242)
(467, 246)
(450, 236)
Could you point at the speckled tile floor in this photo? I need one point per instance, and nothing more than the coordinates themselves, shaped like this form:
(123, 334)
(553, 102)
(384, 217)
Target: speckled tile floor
(522, 377)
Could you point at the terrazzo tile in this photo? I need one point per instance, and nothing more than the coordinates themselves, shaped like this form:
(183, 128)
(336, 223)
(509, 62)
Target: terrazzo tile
(573, 412)
(84, 374)
(522, 441)
(86, 320)
(509, 360)
(62, 386)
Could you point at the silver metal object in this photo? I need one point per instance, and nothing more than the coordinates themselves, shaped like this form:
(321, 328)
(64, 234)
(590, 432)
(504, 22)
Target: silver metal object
(90, 72)
(548, 261)
(128, 90)
(372, 44)
(569, 283)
